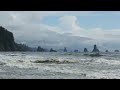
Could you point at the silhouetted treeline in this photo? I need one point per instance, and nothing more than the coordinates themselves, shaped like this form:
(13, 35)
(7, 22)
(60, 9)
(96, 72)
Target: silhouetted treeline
(22, 47)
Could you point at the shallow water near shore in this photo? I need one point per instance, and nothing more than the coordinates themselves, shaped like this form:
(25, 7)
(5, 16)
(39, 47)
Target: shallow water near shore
(56, 65)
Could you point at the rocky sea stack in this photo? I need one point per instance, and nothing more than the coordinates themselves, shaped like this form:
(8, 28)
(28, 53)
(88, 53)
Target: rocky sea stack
(85, 50)
(51, 50)
(106, 51)
(65, 49)
(95, 49)
(39, 49)
(116, 51)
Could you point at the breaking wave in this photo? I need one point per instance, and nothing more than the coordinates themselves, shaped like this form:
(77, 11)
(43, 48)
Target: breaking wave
(53, 61)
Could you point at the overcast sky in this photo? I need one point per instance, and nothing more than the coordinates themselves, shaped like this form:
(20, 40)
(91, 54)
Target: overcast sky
(101, 26)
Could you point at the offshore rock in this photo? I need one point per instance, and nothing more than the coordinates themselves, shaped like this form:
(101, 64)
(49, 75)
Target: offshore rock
(85, 50)
(95, 49)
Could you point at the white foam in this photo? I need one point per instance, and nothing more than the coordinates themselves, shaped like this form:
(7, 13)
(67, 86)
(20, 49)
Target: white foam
(25, 62)
(105, 61)
(104, 74)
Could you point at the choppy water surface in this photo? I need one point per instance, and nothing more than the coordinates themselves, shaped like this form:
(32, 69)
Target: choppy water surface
(37, 65)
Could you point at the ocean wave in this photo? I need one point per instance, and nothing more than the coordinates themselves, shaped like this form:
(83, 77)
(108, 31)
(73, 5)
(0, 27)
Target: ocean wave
(2, 63)
(12, 55)
(20, 61)
(53, 61)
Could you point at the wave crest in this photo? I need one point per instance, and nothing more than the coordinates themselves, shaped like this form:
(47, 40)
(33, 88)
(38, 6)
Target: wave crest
(53, 61)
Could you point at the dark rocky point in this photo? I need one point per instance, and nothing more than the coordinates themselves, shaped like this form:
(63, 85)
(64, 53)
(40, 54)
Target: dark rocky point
(7, 42)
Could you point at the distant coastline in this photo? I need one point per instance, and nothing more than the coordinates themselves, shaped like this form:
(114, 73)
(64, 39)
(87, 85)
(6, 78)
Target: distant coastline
(7, 43)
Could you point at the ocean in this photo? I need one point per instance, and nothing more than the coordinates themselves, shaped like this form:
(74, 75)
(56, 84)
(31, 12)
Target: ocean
(57, 65)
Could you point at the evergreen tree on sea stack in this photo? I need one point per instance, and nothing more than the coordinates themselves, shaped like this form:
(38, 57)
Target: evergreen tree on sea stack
(95, 49)
(65, 50)
(85, 50)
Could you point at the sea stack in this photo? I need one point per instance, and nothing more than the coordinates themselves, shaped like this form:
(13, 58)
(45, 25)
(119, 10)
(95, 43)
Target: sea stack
(116, 50)
(75, 50)
(106, 51)
(51, 50)
(39, 49)
(65, 50)
(85, 50)
(95, 49)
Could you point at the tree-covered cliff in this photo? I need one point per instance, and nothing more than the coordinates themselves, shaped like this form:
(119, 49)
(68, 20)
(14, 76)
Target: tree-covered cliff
(7, 42)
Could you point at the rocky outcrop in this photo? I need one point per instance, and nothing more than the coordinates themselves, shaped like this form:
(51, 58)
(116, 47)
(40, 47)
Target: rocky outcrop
(39, 49)
(106, 51)
(75, 50)
(7, 42)
(85, 50)
(95, 49)
(51, 50)
(65, 49)
(116, 50)
(22, 47)
(95, 55)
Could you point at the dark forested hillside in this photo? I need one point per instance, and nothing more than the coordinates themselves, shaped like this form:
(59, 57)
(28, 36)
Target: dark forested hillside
(7, 42)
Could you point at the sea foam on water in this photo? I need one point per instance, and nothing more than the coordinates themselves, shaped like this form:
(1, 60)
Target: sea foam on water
(58, 65)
